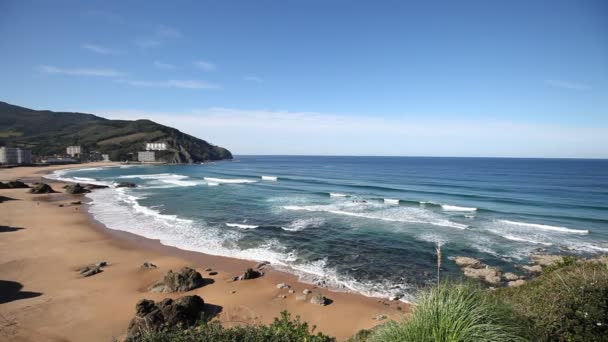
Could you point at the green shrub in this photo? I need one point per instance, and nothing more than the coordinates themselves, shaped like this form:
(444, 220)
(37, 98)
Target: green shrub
(454, 312)
(283, 329)
(568, 303)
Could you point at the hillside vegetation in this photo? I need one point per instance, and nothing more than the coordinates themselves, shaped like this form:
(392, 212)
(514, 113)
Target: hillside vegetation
(49, 133)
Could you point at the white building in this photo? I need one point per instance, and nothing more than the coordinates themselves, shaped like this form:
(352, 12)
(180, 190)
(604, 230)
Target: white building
(156, 146)
(106, 157)
(73, 151)
(15, 155)
(146, 156)
(24, 156)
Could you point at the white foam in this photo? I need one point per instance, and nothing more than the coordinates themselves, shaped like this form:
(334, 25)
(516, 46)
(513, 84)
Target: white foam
(60, 175)
(229, 181)
(545, 227)
(523, 239)
(270, 178)
(334, 194)
(391, 201)
(374, 216)
(302, 224)
(212, 184)
(242, 226)
(456, 208)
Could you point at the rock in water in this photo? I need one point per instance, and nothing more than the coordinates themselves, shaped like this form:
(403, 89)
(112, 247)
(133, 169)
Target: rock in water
(16, 185)
(152, 316)
(126, 185)
(95, 186)
(318, 299)
(185, 280)
(490, 275)
(468, 262)
(42, 188)
(75, 189)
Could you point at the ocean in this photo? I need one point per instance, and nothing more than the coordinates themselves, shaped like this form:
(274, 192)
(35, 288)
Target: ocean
(363, 224)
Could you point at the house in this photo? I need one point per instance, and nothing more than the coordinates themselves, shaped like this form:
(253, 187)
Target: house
(156, 146)
(146, 156)
(74, 151)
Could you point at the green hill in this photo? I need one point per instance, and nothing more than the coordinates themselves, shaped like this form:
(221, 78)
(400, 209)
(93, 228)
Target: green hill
(48, 133)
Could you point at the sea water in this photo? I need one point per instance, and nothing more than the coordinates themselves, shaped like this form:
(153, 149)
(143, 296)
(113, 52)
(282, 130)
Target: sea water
(365, 224)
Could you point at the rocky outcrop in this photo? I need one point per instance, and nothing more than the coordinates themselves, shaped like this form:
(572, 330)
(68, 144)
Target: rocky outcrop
(16, 185)
(467, 262)
(546, 260)
(76, 189)
(516, 283)
(490, 275)
(185, 280)
(510, 276)
(152, 316)
(125, 185)
(42, 188)
(533, 268)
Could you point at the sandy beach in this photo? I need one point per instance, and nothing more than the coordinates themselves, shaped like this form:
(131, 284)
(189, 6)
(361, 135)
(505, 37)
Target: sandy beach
(43, 298)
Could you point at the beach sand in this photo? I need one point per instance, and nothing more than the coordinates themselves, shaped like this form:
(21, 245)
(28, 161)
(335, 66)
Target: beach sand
(42, 297)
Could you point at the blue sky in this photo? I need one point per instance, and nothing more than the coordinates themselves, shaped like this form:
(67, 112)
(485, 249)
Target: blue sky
(445, 78)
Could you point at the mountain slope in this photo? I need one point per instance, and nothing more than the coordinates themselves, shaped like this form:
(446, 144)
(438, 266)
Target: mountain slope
(48, 133)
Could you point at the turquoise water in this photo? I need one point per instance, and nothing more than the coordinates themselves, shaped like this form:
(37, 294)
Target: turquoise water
(368, 224)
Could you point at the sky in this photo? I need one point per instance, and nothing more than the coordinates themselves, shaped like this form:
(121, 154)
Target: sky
(333, 77)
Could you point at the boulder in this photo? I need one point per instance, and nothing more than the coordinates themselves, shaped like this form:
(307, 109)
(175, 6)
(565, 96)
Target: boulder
(185, 280)
(468, 262)
(533, 268)
(90, 270)
(546, 260)
(16, 185)
(95, 186)
(3, 186)
(126, 185)
(249, 274)
(41, 188)
(282, 286)
(75, 189)
(318, 299)
(490, 275)
(148, 265)
(510, 276)
(153, 316)
(515, 283)
(306, 291)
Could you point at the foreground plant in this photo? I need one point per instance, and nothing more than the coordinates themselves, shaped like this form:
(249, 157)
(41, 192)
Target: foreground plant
(450, 313)
(283, 329)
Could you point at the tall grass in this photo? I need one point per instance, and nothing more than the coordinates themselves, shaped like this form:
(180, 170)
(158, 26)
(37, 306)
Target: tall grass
(453, 312)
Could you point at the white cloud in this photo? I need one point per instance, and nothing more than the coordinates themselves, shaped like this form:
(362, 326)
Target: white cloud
(99, 49)
(100, 72)
(205, 66)
(253, 79)
(162, 65)
(567, 85)
(282, 132)
(185, 84)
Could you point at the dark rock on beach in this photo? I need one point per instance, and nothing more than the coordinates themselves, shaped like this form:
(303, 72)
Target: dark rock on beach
(318, 299)
(126, 185)
(249, 274)
(148, 265)
(16, 185)
(42, 188)
(153, 316)
(3, 186)
(75, 189)
(185, 280)
(95, 186)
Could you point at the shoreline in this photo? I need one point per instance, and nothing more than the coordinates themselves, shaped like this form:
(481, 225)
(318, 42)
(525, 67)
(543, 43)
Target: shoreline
(255, 301)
